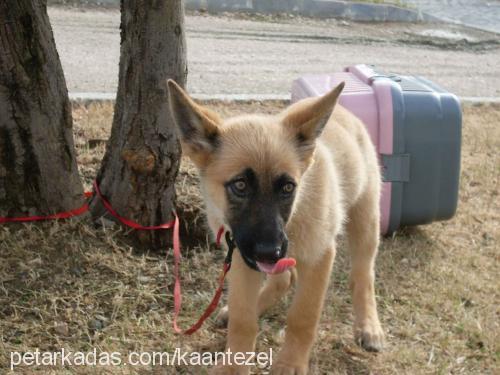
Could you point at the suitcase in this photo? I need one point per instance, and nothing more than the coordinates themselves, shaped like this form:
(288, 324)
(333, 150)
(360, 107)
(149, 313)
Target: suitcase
(416, 128)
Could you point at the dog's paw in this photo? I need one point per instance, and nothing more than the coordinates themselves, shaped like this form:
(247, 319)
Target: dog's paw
(282, 368)
(370, 337)
(229, 370)
(222, 317)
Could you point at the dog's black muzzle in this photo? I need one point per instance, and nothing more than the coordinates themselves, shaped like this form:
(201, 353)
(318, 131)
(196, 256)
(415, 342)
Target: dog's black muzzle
(263, 252)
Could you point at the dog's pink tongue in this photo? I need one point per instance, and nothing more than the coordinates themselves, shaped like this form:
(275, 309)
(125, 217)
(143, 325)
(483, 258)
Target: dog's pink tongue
(280, 266)
(283, 264)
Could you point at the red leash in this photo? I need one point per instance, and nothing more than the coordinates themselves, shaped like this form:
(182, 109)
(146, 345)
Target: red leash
(61, 215)
(130, 223)
(177, 252)
(177, 289)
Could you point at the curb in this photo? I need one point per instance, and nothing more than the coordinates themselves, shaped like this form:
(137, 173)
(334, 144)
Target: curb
(479, 100)
(366, 12)
(351, 10)
(464, 24)
(96, 97)
(354, 11)
(108, 96)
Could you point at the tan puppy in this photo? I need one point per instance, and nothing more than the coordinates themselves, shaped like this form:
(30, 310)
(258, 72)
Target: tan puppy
(288, 185)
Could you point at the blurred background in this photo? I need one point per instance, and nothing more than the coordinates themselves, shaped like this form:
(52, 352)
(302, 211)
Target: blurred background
(256, 48)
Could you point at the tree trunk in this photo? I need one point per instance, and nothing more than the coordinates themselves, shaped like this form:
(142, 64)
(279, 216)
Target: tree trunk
(38, 170)
(142, 155)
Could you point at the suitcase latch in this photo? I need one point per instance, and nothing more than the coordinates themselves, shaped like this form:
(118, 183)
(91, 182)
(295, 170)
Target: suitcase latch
(396, 168)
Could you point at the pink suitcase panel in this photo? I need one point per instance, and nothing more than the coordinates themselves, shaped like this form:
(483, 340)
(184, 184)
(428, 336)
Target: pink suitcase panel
(360, 98)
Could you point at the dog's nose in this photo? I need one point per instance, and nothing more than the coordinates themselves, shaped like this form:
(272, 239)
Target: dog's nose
(267, 253)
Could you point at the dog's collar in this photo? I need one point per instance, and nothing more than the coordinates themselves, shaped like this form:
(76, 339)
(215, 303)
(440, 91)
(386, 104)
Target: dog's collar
(231, 245)
(230, 248)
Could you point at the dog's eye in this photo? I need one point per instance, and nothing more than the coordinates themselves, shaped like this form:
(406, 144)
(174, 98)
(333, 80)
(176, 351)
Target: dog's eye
(288, 188)
(239, 187)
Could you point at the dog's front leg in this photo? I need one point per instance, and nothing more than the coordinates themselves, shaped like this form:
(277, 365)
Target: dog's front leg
(303, 316)
(244, 285)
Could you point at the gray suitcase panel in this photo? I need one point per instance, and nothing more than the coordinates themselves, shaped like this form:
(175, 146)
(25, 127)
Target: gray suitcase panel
(427, 133)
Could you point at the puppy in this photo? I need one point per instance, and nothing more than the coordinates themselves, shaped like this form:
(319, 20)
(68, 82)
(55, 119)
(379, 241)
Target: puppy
(288, 185)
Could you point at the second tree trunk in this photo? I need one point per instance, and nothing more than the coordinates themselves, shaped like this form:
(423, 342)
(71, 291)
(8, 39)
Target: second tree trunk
(142, 157)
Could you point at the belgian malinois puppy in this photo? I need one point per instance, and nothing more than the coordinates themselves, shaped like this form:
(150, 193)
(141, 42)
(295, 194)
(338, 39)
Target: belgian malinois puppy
(288, 185)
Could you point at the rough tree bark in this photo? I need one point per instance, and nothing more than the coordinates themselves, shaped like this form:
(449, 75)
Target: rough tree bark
(142, 155)
(38, 170)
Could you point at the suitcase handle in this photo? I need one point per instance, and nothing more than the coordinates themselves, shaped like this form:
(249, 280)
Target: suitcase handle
(367, 73)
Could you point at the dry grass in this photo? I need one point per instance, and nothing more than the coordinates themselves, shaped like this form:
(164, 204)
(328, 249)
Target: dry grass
(69, 285)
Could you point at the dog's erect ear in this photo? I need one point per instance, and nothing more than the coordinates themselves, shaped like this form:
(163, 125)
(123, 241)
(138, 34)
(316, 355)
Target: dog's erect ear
(197, 126)
(307, 118)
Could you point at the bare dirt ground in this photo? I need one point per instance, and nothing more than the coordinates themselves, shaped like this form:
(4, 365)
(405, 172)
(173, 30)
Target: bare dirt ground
(241, 54)
(71, 285)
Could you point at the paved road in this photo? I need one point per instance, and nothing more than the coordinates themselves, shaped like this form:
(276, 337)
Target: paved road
(231, 55)
(483, 14)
